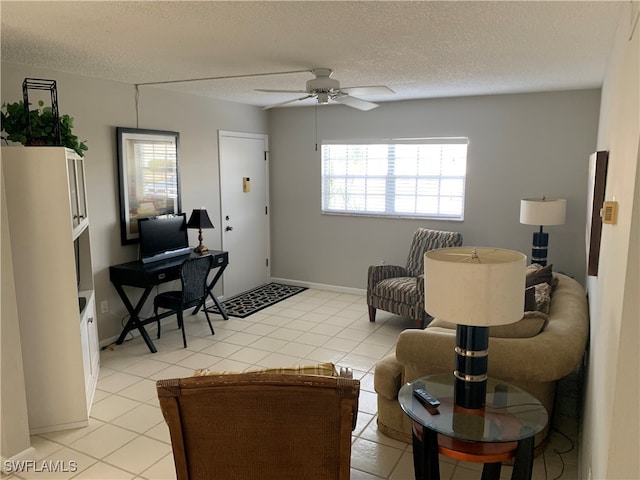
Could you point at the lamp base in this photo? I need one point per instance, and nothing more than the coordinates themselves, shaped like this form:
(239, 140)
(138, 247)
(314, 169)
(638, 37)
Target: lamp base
(539, 248)
(472, 352)
(201, 249)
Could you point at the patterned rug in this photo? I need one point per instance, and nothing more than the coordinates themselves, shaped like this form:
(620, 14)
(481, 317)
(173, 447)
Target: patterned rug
(246, 303)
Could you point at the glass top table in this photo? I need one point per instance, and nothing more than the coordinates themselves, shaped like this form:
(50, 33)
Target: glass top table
(505, 428)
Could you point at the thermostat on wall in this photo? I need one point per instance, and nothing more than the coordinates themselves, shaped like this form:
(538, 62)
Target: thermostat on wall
(609, 213)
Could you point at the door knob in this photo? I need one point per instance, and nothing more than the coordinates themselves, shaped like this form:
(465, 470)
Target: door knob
(228, 229)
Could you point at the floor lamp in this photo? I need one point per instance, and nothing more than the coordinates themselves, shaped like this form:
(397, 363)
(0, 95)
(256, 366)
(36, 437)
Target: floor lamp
(542, 211)
(474, 288)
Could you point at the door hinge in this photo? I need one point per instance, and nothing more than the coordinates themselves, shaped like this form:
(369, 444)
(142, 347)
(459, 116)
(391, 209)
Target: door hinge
(266, 152)
(266, 210)
(267, 262)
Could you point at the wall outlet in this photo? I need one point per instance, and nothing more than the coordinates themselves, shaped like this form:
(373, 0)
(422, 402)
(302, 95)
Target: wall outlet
(104, 306)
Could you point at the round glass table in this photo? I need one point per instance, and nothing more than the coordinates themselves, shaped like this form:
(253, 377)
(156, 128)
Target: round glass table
(505, 428)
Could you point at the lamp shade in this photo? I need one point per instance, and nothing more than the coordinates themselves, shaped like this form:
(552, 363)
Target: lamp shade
(543, 211)
(476, 286)
(199, 219)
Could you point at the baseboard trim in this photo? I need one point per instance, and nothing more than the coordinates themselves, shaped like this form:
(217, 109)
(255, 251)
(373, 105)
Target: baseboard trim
(9, 465)
(320, 286)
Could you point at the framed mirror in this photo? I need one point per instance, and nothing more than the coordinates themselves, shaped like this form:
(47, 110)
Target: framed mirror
(148, 174)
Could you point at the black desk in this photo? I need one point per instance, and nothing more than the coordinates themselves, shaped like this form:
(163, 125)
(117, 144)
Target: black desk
(147, 276)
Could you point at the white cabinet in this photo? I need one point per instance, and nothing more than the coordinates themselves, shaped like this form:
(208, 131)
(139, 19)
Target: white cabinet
(90, 346)
(51, 251)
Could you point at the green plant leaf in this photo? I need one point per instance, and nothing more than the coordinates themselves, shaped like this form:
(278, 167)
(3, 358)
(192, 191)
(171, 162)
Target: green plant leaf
(14, 124)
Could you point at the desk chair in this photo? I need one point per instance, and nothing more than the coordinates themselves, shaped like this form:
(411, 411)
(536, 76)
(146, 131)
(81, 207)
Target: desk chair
(271, 426)
(193, 276)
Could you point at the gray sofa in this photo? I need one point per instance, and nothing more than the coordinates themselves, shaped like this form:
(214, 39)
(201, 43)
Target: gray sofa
(533, 363)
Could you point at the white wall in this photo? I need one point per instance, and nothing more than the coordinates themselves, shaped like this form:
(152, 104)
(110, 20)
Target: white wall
(525, 145)
(611, 421)
(98, 106)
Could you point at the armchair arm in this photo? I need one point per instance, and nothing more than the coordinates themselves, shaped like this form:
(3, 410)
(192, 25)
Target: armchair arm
(420, 288)
(378, 273)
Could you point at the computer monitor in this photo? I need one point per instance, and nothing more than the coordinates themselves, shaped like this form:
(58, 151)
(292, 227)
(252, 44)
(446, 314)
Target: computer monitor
(163, 237)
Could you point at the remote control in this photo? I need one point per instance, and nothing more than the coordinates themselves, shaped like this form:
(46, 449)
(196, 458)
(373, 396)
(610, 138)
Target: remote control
(427, 400)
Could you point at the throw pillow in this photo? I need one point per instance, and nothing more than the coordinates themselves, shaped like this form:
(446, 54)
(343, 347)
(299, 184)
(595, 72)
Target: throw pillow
(530, 299)
(542, 297)
(538, 274)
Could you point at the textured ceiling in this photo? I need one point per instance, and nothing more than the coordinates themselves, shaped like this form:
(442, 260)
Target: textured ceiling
(419, 49)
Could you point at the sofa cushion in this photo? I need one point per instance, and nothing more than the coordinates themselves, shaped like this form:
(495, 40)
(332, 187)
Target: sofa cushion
(398, 289)
(327, 369)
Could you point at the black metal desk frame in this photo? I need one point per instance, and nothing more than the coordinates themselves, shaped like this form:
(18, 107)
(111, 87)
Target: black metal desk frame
(147, 276)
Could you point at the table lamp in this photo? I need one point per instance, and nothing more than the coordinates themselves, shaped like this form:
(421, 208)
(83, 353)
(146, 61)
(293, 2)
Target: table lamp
(200, 219)
(474, 288)
(542, 211)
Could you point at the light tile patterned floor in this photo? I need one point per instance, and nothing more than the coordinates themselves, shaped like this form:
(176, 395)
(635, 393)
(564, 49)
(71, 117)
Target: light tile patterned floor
(127, 437)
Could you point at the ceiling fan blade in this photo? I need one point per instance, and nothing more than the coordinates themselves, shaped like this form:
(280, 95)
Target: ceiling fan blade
(288, 101)
(268, 90)
(354, 102)
(371, 90)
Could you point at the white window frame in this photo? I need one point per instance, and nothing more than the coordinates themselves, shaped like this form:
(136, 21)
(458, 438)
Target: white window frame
(354, 183)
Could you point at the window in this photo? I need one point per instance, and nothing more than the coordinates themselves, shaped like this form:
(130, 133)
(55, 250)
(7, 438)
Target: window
(408, 178)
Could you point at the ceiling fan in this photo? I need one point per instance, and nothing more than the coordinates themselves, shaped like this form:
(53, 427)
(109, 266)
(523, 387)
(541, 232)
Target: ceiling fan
(325, 88)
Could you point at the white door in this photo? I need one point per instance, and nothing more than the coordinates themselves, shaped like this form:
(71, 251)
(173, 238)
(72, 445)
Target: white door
(244, 206)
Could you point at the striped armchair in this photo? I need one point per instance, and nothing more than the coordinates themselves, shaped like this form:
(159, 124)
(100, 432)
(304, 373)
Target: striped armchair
(400, 290)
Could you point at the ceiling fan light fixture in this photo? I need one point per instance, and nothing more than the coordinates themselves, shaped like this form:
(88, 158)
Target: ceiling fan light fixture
(325, 88)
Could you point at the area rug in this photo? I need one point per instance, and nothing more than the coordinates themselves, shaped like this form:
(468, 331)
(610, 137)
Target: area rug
(253, 301)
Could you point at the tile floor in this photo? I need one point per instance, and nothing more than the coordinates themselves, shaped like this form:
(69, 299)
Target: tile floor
(127, 438)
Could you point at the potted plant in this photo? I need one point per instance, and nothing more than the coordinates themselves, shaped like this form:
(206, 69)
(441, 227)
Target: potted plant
(14, 124)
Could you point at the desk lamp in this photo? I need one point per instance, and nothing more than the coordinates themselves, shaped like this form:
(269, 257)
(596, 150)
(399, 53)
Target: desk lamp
(200, 219)
(475, 288)
(542, 211)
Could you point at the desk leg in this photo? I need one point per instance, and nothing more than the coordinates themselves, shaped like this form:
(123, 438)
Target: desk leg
(213, 297)
(134, 319)
(219, 305)
(523, 465)
(425, 453)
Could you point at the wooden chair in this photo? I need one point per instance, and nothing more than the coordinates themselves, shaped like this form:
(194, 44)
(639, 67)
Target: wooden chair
(260, 425)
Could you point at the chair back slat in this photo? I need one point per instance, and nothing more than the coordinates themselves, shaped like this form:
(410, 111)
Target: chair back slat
(193, 274)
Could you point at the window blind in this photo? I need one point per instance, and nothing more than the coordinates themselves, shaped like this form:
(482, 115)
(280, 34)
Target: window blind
(408, 178)
(156, 161)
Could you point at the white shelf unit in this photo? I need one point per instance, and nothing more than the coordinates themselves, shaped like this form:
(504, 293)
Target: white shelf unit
(51, 251)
